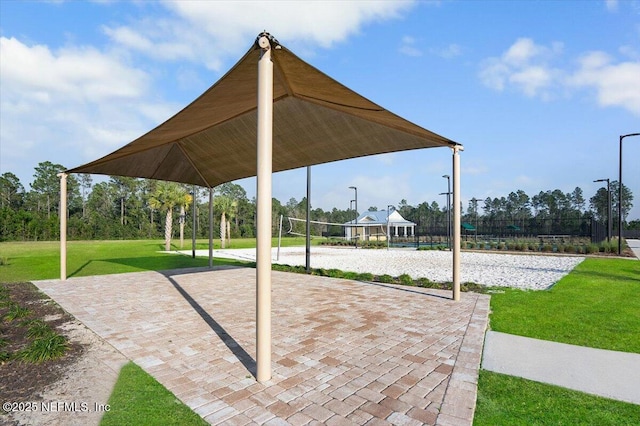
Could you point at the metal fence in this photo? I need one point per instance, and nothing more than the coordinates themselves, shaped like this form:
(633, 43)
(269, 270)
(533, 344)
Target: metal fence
(584, 227)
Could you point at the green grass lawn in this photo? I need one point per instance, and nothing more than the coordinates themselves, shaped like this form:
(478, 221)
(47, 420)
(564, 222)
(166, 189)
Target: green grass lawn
(596, 305)
(506, 400)
(28, 261)
(138, 399)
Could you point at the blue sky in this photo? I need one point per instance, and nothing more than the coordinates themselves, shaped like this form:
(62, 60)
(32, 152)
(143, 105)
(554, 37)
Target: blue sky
(538, 92)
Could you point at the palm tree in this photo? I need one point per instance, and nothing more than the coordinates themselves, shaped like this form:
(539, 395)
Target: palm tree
(227, 206)
(183, 219)
(166, 196)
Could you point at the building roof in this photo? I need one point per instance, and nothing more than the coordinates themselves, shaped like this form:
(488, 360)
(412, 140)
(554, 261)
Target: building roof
(379, 217)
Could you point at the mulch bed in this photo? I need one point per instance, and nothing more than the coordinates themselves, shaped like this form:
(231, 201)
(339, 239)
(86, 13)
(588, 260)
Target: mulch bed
(21, 381)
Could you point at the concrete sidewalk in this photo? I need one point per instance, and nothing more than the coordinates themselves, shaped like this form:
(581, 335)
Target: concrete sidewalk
(600, 372)
(635, 246)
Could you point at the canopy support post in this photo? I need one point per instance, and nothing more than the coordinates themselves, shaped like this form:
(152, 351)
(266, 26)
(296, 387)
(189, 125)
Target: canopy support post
(210, 228)
(308, 231)
(456, 221)
(63, 226)
(193, 224)
(263, 237)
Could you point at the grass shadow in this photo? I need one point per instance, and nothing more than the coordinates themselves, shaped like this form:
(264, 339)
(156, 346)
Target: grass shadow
(620, 274)
(77, 271)
(148, 263)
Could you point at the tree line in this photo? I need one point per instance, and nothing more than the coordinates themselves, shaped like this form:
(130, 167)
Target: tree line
(131, 208)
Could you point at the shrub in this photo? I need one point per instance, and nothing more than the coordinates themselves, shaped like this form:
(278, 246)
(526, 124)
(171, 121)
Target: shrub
(320, 271)
(50, 346)
(386, 278)
(350, 275)
(569, 249)
(335, 273)
(424, 282)
(15, 312)
(37, 328)
(365, 276)
(471, 286)
(592, 248)
(405, 279)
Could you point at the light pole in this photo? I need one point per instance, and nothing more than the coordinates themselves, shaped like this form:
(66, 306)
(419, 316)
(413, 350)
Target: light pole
(351, 208)
(356, 200)
(448, 218)
(448, 209)
(620, 193)
(475, 205)
(608, 207)
(389, 206)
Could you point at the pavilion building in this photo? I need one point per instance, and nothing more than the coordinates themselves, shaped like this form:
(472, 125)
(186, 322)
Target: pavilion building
(376, 225)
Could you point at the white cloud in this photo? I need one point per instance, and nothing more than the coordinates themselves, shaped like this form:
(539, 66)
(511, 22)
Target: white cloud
(630, 51)
(612, 5)
(525, 66)
(615, 84)
(80, 73)
(528, 68)
(474, 169)
(532, 80)
(451, 51)
(378, 191)
(73, 100)
(207, 32)
(408, 47)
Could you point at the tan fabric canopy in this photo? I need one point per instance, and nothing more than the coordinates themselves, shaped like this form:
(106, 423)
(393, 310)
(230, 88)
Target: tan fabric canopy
(213, 140)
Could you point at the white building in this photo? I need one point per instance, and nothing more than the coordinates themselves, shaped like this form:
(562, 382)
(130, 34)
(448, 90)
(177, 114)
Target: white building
(372, 225)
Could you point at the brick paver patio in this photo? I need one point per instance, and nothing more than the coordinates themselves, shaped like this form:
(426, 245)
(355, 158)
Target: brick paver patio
(344, 352)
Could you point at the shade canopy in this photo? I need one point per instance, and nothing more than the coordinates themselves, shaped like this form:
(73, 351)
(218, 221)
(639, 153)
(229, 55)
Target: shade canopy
(315, 120)
(468, 227)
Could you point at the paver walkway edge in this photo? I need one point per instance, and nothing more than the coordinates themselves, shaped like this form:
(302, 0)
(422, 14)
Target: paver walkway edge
(344, 352)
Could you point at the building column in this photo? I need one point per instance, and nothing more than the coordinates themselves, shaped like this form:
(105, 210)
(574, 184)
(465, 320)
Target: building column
(210, 228)
(263, 237)
(456, 221)
(63, 225)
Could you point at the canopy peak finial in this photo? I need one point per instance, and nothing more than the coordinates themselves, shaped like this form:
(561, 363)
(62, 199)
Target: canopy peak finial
(265, 40)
